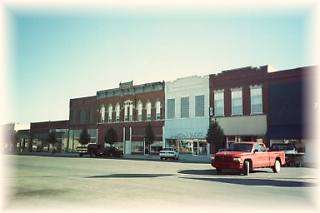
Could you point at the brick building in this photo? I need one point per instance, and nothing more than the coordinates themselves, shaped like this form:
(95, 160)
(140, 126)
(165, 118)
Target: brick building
(128, 109)
(239, 102)
(39, 132)
(83, 114)
(288, 106)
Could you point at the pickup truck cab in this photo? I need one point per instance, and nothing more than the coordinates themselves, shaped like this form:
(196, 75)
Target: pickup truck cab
(247, 156)
(168, 153)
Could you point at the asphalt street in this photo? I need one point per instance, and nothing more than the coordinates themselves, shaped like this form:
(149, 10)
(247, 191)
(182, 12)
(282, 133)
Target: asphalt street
(67, 183)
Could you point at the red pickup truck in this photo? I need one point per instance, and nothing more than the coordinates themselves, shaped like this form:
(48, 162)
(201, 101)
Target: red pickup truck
(246, 156)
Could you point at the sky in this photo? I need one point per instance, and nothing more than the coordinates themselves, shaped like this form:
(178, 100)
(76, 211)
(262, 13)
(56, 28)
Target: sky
(67, 55)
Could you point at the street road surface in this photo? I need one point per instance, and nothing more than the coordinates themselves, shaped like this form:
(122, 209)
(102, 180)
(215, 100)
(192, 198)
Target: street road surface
(57, 182)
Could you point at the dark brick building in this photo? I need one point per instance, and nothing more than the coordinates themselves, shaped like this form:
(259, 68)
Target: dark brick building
(289, 102)
(82, 115)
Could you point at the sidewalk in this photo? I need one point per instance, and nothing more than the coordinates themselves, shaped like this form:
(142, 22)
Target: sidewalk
(184, 158)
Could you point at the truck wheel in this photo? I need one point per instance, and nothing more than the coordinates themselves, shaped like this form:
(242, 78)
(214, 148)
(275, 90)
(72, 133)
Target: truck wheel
(218, 170)
(276, 167)
(246, 167)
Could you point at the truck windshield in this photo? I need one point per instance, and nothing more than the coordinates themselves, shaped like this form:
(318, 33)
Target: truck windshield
(242, 147)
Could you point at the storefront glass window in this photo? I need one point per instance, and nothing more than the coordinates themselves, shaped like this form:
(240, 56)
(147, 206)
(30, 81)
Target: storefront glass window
(137, 147)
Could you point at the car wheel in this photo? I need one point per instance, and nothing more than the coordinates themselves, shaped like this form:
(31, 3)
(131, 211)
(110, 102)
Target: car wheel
(246, 167)
(276, 167)
(80, 154)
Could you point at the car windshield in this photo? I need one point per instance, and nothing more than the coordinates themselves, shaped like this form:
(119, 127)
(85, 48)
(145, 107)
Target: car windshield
(280, 147)
(242, 147)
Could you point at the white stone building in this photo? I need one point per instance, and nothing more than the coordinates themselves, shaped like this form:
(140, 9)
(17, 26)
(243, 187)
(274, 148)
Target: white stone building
(187, 115)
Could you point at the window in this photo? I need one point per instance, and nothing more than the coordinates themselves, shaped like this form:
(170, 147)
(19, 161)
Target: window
(82, 116)
(130, 111)
(139, 111)
(170, 108)
(117, 112)
(185, 107)
(219, 103)
(236, 99)
(148, 108)
(256, 99)
(199, 105)
(158, 110)
(126, 106)
(102, 113)
(110, 113)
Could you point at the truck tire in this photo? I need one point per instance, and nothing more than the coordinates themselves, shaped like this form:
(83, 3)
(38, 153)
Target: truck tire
(218, 170)
(246, 167)
(276, 167)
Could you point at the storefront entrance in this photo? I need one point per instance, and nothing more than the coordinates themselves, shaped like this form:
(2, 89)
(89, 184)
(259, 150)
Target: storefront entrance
(193, 147)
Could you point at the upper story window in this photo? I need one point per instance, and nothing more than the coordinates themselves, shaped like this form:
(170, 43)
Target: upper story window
(218, 103)
(128, 109)
(131, 111)
(158, 110)
(148, 108)
(256, 99)
(102, 113)
(139, 108)
(236, 99)
(199, 106)
(110, 113)
(170, 108)
(117, 112)
(83, 116)
(185, 107)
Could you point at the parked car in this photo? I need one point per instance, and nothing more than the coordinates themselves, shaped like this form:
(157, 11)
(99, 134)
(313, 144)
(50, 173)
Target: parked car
(247, 156)
(288, 148)
(97, 150)
(293, 158)
(169, 153)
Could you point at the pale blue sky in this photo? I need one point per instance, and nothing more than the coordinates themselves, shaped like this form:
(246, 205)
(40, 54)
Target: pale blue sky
(58, 57)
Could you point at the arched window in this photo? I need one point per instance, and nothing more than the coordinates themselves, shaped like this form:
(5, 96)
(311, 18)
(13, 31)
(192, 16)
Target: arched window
(102, 113)
(139, 108)
(148, 108)
(117, 112)
(158, 110)
(110, 113)
(128, 110)
(131, 111)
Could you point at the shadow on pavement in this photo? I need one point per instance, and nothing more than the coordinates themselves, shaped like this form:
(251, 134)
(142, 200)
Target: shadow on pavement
(39, 192)
(214, 172)
(130, 176)
(257, 182)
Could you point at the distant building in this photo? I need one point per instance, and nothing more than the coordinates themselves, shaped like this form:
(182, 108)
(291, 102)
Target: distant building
(249, 103)
(83, 114)
(39, 132)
